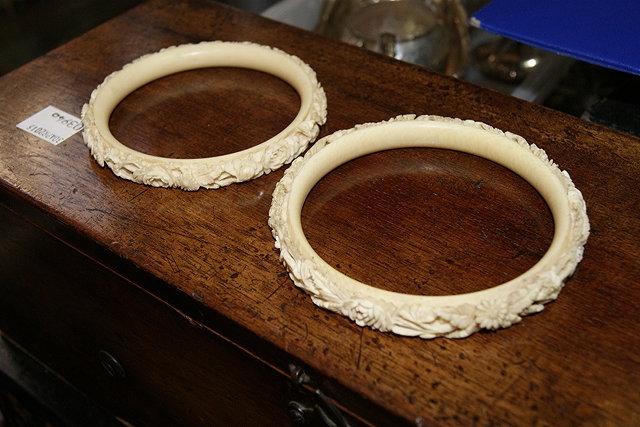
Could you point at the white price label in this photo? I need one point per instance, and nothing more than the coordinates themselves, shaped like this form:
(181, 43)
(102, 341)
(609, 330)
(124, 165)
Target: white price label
(52, 124)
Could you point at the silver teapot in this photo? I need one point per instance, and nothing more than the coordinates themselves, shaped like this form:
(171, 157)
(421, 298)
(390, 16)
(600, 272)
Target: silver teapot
(431, 33)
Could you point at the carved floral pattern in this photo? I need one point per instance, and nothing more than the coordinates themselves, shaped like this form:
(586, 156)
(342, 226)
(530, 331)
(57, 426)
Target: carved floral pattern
(424, 318)
(495, 314)
(214, 172)
(366, 313)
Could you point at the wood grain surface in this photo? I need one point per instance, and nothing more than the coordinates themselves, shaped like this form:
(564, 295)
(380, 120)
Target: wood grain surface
(421, 221)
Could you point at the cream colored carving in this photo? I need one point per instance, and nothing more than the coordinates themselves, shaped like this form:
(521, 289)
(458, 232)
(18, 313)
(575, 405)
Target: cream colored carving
(212, 172)
(453, 316)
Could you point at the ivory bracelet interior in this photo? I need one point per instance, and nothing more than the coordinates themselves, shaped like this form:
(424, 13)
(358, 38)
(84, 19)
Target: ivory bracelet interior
(454, 316)
(211, 172)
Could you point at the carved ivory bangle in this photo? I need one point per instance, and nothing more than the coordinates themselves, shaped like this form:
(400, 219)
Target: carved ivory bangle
(212, 172)
(453, 316)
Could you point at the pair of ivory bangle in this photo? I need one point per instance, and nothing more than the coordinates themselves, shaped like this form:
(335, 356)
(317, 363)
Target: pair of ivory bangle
(452, 316)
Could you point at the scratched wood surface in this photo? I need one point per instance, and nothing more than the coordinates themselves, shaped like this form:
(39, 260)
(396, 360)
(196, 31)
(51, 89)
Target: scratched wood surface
(414, 220)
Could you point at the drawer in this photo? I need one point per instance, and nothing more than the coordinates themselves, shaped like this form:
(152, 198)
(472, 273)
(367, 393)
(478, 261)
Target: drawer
(130, 351)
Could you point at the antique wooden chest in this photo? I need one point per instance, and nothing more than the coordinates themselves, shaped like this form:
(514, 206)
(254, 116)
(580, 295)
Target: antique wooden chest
(172, 307)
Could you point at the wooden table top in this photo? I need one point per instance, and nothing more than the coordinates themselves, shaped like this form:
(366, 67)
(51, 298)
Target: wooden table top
(413, 220)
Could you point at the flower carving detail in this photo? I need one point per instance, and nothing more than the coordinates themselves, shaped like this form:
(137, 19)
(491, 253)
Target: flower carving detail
(280, 154)
(367, 313)
(463, 317)
(244, 169)
(155, 176)
(495, 314)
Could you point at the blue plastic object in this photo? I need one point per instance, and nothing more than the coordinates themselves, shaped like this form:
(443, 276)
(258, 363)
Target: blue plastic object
(602, 32)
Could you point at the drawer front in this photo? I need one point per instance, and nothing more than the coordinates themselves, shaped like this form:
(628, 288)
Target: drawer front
(133, 353)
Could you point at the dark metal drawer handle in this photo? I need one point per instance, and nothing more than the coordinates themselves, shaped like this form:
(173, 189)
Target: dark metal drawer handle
(112, 366)
(321, 411)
